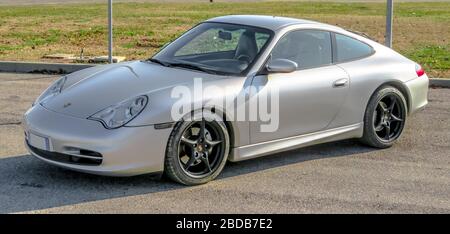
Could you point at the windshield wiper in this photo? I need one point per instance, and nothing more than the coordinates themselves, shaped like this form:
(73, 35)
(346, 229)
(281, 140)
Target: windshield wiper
(153, 60)
(185, 65)
(194, 67)
(189, 66)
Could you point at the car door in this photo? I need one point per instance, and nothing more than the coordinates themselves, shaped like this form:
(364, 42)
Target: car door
(308, 98)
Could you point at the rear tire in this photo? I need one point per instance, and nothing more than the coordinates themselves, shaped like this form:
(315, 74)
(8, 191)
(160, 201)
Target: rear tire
(195, 156)
(385, 118)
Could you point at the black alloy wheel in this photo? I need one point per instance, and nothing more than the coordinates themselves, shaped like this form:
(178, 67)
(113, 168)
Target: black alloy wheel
(385, 117)
(388, 118)
(197, 150)
(200, 148)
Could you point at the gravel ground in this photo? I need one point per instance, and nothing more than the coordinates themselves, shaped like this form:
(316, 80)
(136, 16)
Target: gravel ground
(342, 177)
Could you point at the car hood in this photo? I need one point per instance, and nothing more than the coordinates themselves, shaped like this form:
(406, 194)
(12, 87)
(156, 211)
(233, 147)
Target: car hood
(88, 91)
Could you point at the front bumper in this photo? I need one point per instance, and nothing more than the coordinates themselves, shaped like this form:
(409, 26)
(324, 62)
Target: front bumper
(125, 151)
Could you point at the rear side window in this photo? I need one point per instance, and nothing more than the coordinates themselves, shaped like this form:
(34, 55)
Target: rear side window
(351, 49)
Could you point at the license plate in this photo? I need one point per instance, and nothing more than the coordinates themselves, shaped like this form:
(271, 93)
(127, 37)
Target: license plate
(39, 142)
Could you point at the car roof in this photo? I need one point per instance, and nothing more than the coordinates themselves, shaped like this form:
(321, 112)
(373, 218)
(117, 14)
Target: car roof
(263, 21)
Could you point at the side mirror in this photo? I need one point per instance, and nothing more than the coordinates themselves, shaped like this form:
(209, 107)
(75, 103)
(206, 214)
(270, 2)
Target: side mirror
(281, 66)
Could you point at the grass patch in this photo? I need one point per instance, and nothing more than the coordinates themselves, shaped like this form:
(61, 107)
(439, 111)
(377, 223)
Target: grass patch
(421, 30)
(4, 48)
(433, 58)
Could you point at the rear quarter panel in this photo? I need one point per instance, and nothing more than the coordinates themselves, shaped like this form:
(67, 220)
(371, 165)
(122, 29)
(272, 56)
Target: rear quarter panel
(385, 66)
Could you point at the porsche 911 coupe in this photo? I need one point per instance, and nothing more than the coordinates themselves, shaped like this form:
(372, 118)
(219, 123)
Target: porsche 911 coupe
(331, 84)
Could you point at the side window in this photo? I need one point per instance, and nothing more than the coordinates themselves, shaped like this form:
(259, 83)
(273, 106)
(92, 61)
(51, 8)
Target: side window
(308, 48)
(349, 48)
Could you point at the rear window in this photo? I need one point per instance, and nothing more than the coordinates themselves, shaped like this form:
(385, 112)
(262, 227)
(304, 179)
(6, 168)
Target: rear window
(350, 49)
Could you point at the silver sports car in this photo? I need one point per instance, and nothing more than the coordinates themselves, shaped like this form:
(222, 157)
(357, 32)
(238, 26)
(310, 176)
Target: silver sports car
(231, 88)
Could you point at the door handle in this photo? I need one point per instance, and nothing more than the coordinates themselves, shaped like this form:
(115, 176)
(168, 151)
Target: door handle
(340, 83)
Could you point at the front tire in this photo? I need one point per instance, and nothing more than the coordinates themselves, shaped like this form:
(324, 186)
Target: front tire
(384, 118)
(197, 149)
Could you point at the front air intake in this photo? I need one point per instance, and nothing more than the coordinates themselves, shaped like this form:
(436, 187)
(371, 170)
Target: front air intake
(83, 157)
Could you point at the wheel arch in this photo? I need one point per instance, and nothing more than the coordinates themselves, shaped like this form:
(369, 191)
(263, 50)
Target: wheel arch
(228, 125)
(401, 87)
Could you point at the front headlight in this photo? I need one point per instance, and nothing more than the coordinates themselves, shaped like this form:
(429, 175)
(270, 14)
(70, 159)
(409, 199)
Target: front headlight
(52, 91)
(116, 116)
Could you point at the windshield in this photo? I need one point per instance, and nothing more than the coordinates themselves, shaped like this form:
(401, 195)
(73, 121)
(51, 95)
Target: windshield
(219, 48)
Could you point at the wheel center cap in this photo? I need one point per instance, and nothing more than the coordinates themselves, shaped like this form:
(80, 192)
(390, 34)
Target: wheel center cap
(200, 148)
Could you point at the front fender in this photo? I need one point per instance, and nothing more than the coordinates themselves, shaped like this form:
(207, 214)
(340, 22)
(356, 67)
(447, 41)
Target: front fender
(162, 102)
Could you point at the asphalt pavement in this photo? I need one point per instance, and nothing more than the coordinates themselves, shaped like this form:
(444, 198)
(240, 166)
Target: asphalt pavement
(343, 177)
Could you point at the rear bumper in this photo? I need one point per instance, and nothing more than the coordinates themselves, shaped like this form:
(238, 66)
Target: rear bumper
(125, 151)
(418, 93)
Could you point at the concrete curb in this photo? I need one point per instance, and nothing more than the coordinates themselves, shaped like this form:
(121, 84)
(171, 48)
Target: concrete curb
(32, 67)
(440, 82)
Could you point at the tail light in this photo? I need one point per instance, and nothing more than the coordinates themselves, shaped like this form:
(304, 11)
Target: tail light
(419, 70)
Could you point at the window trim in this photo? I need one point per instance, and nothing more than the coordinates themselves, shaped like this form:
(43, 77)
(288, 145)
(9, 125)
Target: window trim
(335, 50)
